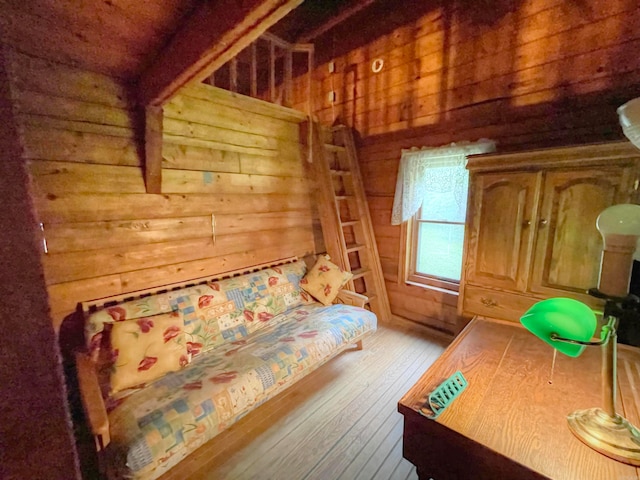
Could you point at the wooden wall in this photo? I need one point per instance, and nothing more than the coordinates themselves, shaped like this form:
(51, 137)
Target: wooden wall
(234, 158)
(35, 430)
(527, 73)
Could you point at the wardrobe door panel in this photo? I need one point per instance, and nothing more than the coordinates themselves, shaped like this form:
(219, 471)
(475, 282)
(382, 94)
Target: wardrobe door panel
(500, 236)
(568, 245)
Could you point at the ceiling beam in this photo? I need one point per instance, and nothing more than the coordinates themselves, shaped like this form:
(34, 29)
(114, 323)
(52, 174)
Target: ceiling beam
(215, 33)
(333, 21)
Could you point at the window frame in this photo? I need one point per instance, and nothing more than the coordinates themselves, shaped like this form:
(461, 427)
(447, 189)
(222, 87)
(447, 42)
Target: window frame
(411, 275)
(403, 203)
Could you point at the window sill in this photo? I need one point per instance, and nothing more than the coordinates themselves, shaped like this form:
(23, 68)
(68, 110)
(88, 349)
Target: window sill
(432, 287)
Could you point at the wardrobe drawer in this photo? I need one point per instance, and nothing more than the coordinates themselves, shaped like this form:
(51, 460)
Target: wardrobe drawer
(495, 304)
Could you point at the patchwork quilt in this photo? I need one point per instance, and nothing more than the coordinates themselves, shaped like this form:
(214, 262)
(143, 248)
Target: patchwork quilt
(155, 427)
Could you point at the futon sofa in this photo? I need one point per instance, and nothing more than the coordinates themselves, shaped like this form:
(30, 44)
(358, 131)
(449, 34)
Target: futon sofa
(164, 372)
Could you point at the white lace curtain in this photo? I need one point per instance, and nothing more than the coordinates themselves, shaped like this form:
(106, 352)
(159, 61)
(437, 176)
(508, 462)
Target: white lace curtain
(421, 172)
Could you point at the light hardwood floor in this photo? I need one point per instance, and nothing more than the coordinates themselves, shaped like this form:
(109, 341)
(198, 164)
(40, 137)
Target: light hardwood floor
(339, 422)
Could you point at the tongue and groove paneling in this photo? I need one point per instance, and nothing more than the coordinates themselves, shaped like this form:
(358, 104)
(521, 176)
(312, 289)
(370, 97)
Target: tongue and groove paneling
(235, 158)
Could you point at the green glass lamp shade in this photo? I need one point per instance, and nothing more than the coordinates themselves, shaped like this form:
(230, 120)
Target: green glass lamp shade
(567, 318)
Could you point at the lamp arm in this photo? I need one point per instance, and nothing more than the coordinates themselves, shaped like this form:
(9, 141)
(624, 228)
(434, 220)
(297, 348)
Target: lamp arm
(607, 330)
(557, 338)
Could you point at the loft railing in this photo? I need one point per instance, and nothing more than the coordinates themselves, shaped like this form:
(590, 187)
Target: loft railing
(266, 70)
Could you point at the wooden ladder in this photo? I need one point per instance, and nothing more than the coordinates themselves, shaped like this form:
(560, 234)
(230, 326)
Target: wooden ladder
(344, 213)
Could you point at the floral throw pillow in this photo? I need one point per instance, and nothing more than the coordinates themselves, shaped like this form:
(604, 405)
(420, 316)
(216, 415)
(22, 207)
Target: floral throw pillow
(324, 280)
(146, 349)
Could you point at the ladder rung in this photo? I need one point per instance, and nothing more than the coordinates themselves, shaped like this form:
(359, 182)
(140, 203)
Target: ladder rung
(342, 173)
(344, 197)
(334, 148)
(350, 223)
(359, 273)
(355, 248)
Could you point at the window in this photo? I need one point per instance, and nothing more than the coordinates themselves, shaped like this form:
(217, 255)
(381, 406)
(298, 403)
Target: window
(436, 233)
(431, 200)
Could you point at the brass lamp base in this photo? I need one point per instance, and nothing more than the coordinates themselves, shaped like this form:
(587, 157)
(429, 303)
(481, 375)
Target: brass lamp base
(614, 436)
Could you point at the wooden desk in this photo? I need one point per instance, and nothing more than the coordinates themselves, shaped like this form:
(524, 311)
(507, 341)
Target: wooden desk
(510, 422)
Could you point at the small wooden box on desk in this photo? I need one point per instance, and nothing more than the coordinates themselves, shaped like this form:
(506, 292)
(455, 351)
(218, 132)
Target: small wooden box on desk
(510, 421)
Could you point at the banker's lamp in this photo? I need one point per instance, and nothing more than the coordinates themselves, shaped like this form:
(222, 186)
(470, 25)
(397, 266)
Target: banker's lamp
(569, 326)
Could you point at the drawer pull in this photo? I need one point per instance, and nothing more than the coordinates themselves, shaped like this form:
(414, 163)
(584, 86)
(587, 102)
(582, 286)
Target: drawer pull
(488, 302)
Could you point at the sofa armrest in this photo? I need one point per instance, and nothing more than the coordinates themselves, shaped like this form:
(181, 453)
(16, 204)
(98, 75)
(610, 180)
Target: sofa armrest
(348, 297)
(92, 399)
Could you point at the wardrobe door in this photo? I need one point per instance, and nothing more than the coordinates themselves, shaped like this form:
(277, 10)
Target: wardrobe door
(500, 234)
(568, 245)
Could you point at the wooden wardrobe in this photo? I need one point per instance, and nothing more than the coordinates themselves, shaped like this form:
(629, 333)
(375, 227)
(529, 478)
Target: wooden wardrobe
(531, 224)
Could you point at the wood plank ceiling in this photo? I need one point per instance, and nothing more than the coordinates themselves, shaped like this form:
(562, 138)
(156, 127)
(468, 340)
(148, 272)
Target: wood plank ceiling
(122, 38)
(114, 37)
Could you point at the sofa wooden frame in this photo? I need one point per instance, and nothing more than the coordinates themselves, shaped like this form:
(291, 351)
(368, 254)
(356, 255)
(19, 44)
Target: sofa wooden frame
(92, 401)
